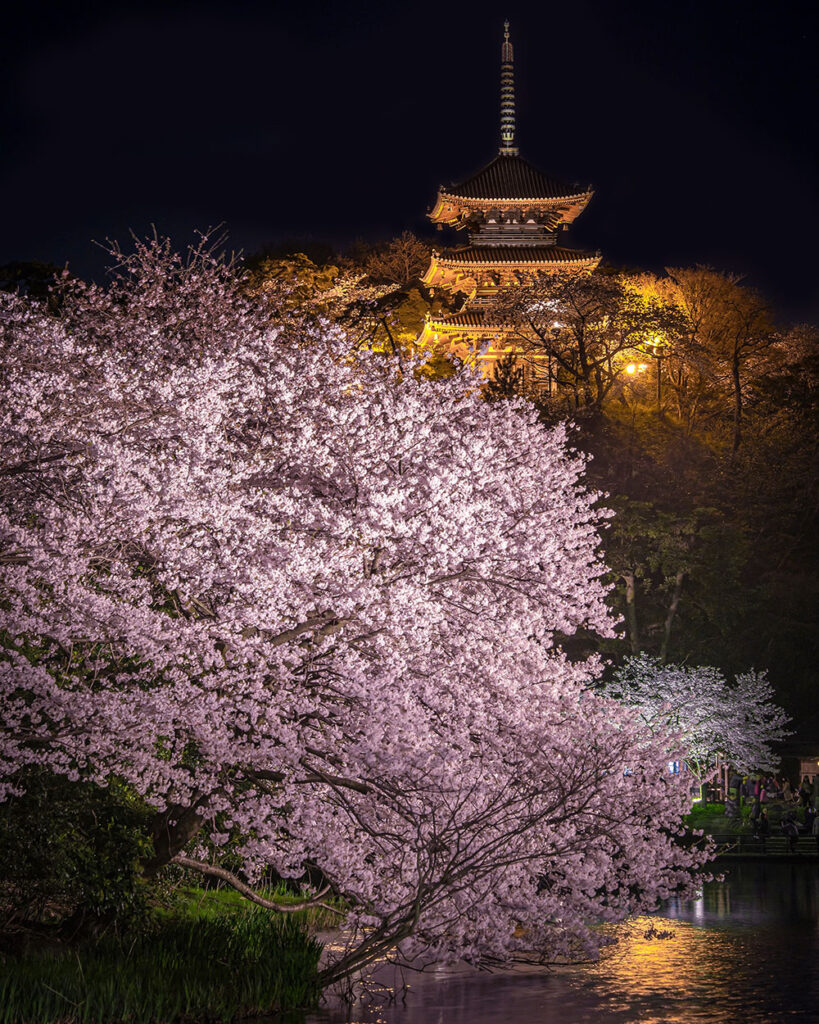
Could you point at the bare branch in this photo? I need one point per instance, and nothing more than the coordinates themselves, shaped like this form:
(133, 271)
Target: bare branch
(227, 876)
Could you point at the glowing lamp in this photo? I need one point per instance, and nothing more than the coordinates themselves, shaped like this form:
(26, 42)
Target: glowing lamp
(631, 368)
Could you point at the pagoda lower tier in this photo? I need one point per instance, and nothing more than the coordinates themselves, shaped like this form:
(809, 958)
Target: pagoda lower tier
(484, 269)
(479, 273)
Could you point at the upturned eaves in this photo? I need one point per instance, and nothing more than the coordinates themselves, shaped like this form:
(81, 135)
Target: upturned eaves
(512, 177)
(517, 254)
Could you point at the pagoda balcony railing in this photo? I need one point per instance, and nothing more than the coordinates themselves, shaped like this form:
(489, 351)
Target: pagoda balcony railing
(512, 234)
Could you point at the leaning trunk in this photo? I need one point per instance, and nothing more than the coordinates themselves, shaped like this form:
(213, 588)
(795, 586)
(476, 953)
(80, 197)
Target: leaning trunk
(171, 831)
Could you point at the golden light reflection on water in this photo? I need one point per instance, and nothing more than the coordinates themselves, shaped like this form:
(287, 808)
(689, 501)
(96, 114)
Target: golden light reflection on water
(656, 962)
(659, 971)
(745, 952)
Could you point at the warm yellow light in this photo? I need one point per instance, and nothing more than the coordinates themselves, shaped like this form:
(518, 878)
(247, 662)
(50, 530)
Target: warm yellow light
(642, 367)
(631, 368)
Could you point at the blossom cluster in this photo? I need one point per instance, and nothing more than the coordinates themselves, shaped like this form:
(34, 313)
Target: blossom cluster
(252, 570)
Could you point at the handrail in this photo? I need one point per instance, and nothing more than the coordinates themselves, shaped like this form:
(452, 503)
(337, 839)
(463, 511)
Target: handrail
(775, 844)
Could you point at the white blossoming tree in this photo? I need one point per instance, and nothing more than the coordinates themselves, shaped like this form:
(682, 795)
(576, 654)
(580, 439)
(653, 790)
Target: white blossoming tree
(738, 721)
(304, 599)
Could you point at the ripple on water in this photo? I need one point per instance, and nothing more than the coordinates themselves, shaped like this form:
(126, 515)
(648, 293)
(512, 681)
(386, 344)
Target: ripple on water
(746, 952)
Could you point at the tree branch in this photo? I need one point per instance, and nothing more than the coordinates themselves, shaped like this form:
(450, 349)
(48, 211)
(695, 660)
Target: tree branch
(324, 625)
(233, 880)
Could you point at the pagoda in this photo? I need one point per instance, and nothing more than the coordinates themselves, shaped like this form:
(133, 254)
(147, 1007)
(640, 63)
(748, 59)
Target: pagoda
(515, 217)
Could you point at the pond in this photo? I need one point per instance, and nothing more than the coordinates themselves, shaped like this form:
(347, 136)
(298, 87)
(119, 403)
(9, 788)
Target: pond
(747, 951)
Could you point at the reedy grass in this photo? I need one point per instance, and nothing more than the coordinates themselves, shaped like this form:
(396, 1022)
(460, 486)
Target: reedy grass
(203, 968)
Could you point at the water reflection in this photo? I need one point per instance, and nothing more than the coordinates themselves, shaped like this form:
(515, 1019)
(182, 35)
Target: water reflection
(753, 893)
(747, 950)
(688, 973)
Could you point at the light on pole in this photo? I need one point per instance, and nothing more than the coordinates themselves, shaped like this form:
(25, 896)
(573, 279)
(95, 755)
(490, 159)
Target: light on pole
(656, 344)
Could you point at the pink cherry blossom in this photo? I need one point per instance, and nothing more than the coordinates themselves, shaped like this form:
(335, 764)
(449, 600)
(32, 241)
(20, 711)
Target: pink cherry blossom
(317, 598)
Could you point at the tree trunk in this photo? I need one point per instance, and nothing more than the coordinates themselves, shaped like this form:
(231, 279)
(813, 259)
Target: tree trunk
(737, 405)
(584, 371)
(631, 612)
(669, 619)
(171, 832)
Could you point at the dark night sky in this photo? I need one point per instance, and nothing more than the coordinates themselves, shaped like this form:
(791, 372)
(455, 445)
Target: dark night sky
(695, 122)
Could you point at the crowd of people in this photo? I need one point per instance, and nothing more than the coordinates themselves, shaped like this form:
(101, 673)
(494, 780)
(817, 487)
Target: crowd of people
(798, 813)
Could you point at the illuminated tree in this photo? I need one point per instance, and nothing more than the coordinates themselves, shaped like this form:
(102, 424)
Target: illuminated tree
(304, 601)
(585, 327)
(687, 376)
(400, 261)
(507, 379)
(295, 276)
(738, 721)
(727, 332)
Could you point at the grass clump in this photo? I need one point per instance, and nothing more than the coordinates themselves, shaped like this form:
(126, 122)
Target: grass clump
(204, 969)
(705, 810)
(195, 903)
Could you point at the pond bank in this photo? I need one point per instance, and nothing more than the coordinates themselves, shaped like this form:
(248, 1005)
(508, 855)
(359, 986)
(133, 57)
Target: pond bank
(734, 836)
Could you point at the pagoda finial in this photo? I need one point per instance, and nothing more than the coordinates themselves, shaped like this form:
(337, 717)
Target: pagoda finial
(508, 147)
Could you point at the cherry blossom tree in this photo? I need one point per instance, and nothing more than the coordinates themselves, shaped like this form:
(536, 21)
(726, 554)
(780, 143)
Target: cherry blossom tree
(738, 720)
(304, 601)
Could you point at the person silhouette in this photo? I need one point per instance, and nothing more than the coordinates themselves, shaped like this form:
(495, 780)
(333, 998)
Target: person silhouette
(763, 827)
(791, 830)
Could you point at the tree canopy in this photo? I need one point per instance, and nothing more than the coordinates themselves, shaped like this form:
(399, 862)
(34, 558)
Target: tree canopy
(739, 722)
(304, 603)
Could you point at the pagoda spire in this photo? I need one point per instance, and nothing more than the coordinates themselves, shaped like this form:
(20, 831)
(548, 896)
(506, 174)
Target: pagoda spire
(507, 119)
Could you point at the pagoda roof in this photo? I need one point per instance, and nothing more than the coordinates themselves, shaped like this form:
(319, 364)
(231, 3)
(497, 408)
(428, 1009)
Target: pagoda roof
(475, 318)
(512, 177)
(517, 254)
